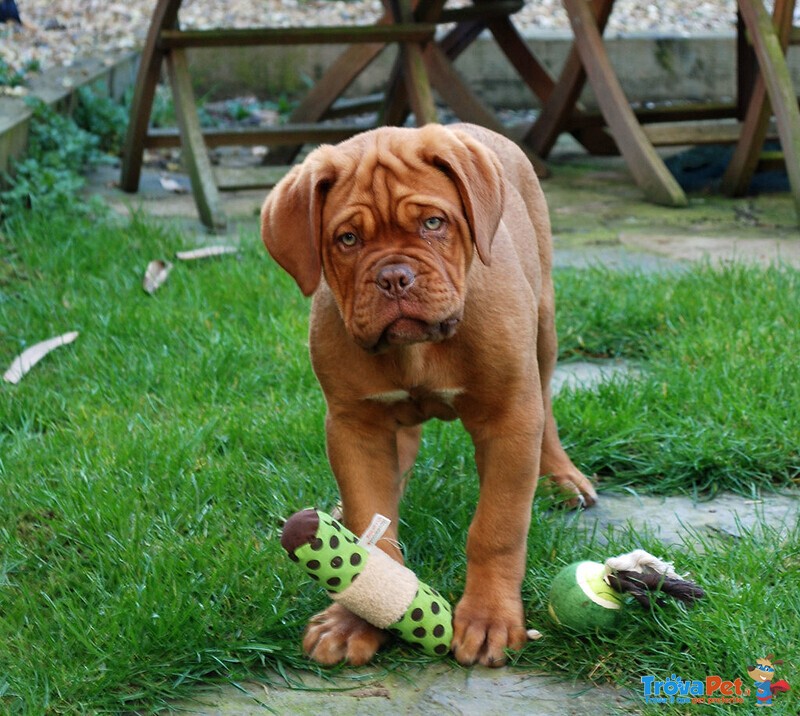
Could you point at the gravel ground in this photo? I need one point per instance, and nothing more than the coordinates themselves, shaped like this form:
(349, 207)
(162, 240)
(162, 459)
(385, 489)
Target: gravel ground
(55, 32)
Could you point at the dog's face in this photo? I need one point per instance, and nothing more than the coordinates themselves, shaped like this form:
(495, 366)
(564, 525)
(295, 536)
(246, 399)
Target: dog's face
(395, 247)
(392, 218)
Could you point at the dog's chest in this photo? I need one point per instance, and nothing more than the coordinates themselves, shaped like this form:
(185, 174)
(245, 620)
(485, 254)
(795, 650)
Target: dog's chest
(416, 405)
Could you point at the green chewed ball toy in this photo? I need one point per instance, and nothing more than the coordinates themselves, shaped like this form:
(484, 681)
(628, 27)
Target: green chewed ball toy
(587, 596)
(368, 582)
(582, 600)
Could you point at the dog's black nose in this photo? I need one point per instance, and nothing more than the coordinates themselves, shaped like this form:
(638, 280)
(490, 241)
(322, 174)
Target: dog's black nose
(394, 280)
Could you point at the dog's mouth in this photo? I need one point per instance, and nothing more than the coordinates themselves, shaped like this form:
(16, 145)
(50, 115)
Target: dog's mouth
(405, 331)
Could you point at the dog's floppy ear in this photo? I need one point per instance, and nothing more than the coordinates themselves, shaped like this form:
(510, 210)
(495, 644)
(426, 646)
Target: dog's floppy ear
(291, 219)
(477, 174)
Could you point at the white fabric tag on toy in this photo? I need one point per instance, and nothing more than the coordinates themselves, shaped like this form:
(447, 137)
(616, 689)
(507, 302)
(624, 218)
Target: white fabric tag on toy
(377, 528)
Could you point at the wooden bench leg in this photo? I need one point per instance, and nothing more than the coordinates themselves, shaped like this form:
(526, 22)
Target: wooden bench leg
(774, 70)
(417, 84)
(562, 98)
(165, 16)
(643, 162)
(193, 147)
(464, 102)
(395, 106)
(744, 161)
(538, 79)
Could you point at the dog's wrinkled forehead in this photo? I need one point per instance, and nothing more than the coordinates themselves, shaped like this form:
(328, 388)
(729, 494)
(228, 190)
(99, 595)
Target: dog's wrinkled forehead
(379, 170)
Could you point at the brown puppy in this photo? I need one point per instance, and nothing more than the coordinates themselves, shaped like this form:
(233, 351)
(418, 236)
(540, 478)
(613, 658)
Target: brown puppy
(428, 252)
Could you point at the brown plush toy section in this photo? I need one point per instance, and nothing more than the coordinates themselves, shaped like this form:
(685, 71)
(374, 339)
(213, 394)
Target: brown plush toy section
(299, 529)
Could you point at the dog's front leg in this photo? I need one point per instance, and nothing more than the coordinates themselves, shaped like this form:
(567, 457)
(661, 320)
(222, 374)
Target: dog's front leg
(364, 457)
(489, 618)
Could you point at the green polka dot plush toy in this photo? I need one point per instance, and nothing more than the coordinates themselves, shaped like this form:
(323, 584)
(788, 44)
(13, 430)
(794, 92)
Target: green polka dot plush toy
(589, 596)
(368, 582)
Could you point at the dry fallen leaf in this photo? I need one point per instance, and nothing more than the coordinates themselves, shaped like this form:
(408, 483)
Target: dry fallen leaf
(31, 356)
(175, 187)
(155, 275)
(18, 91)
(206, 252)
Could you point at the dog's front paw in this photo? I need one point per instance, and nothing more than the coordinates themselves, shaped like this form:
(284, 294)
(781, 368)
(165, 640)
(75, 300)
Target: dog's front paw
(336, 635)
(483, 630)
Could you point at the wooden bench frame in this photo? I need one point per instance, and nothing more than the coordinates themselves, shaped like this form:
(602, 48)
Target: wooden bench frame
(764, 88)
(422, 64)
(769, 91)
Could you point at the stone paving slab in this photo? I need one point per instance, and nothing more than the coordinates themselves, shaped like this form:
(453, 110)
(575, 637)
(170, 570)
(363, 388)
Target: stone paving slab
(763, 251)
(679, 518)
(585, 374)
(440, 690)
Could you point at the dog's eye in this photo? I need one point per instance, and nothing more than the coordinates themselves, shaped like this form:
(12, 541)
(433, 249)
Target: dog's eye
(434, 223)
(348, 239)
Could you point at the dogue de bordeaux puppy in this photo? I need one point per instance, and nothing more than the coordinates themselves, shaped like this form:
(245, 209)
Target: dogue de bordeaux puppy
(428, 254)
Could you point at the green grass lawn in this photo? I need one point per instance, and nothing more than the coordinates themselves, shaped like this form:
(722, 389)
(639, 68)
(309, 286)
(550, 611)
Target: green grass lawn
(144, 470)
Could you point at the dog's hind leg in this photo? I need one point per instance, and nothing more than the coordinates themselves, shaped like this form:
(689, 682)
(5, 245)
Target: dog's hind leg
(556, 466)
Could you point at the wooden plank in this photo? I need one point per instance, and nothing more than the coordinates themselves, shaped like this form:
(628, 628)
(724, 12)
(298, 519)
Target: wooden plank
(746, 155)
(237, 179)
(780, 90)
(693, 112)
(335, 80)
(746, 68)
(321, 35)
(285, 135)
(428, 10)
(669, 134)
(194, 152)
(165, 15)
(464, 102)
(454, 91)
(647, 168)
(414, 73)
